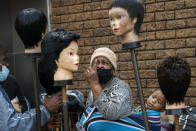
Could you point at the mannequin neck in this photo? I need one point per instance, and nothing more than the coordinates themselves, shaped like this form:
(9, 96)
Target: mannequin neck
(36, 49)
(62, 74)
(129, 37)
(175, 106)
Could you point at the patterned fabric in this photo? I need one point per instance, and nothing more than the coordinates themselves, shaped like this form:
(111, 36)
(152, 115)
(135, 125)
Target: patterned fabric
(92, 120)
(115, 101)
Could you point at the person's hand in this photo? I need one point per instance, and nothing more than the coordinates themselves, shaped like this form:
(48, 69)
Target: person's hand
(53, 102)
(54, 122)
(93, 80)
(91, 75)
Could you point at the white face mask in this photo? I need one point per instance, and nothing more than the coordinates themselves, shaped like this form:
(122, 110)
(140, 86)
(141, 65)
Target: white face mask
(4, 73)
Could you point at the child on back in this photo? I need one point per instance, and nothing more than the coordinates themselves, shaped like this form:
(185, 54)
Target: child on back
(156, 101)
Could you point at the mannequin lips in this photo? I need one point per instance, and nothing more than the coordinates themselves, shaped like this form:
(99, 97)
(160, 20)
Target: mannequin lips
(115, 29)
(76, 64)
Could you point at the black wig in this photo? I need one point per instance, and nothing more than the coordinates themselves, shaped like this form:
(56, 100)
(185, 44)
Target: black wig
(134, 8)
(174, 76)
(52, 45)
(30, 23)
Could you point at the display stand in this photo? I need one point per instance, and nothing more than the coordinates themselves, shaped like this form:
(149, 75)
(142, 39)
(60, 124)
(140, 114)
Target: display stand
(34, 57)
(131, 47)
(65, 86)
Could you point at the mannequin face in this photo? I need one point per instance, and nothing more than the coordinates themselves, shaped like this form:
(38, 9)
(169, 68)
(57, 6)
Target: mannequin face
(120, 21)
(68, 58)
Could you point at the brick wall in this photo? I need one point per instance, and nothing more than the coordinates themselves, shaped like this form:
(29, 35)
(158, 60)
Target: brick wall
(169, 28)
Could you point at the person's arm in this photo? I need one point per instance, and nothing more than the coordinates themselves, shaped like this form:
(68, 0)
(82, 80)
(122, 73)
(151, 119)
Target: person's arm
(18, 121)
(92, 78)
(117, 103)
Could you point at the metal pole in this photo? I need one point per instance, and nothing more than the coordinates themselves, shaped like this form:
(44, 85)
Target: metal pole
(36, 93)
(141, 96)
(65, 109)
(177, 125)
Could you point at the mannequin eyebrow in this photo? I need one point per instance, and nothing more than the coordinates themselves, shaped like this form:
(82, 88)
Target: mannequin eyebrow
(72, 49)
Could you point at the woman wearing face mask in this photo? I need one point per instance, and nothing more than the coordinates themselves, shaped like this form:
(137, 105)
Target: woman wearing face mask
(110, 95)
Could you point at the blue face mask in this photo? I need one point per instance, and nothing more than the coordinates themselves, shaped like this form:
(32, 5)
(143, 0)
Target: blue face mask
(4, 73)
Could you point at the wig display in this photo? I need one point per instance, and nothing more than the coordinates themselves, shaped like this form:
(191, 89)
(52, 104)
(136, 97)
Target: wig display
(134, 8)
(174, 76)
(30, 23)
(52, 45)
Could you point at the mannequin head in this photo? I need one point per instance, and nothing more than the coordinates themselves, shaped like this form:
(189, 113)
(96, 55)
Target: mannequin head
(174, 76)
(59, 52)
(126, 17)
(126, 11)
(30, 24)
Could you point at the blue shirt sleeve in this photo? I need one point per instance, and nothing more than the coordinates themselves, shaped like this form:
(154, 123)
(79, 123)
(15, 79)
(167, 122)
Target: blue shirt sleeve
(12, 121)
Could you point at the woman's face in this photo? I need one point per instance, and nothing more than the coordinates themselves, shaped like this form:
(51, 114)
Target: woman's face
(120, 21)
(68, 58)
(102, 62)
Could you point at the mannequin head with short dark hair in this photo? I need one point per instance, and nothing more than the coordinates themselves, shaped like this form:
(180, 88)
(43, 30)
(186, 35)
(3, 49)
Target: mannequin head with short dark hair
(134, 8)
(30, 24)
(174, 77)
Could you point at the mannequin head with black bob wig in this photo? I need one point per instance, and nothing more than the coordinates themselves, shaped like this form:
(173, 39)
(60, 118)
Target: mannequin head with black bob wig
(59, 58)
(30, 25)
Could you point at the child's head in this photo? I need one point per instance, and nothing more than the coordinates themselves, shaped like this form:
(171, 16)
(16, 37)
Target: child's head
(156, 101)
